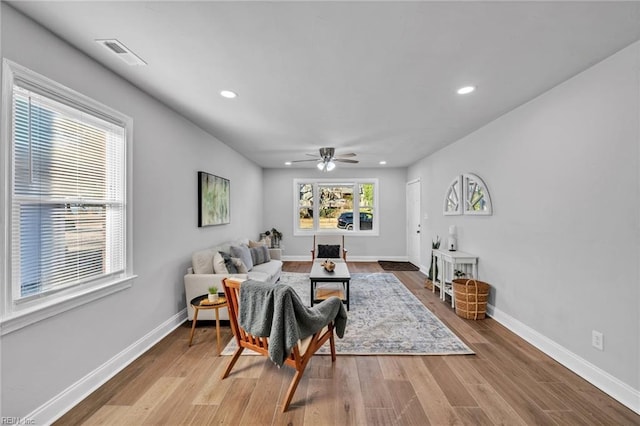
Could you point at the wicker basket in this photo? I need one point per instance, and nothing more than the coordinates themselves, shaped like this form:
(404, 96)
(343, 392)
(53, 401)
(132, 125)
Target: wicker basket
(471, 298)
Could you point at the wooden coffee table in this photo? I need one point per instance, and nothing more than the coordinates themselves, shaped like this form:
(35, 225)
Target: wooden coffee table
(338, 281)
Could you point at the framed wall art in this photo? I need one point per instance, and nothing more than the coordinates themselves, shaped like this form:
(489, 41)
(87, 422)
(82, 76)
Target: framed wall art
(214, 200)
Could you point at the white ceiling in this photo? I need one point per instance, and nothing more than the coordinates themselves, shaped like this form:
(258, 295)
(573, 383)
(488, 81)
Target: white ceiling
(374, 78)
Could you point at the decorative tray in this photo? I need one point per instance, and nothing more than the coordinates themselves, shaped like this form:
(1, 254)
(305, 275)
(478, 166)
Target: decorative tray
(206, 302)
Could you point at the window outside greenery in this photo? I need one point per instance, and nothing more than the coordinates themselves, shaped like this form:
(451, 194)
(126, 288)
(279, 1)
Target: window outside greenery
(327, 206)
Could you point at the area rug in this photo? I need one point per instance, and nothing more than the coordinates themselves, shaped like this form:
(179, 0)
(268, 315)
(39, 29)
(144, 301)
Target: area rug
(388, 265)
(385, 318)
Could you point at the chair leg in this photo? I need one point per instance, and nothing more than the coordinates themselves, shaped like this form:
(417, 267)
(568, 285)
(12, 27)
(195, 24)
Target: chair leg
(234, 358)
(292, 389)
(332, 344)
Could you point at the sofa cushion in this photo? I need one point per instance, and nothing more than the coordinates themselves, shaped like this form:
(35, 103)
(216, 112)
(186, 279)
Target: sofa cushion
(219, 264)
(270, 271)
(259, 255)
(202, 261)
(242, 252)
(240, 266)
(262, 242)
(258, 275)
(328, 251)
(228, 263)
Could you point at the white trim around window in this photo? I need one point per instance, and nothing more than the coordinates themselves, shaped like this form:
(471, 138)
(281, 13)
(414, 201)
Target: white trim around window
(357, 206)
(87, 214)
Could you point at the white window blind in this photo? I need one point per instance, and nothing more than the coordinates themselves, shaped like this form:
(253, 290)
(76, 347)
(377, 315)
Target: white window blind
(68, 201)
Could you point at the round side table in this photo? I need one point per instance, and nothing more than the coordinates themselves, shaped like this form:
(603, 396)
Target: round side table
(196, 303)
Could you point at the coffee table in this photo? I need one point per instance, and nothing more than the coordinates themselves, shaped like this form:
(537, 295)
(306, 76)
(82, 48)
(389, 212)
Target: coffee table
(340, 276)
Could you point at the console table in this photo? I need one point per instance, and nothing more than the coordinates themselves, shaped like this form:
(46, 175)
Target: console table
(447, 262)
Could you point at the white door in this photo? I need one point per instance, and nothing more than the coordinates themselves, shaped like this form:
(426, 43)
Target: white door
(413, 221)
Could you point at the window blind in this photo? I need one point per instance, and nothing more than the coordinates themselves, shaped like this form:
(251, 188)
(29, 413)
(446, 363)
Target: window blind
(68, 205)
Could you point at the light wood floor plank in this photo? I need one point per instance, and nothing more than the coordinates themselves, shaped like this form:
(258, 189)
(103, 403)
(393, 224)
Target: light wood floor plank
(494, 406)
(406, 405)
(432, 398)
(447, 380)
(507, 382)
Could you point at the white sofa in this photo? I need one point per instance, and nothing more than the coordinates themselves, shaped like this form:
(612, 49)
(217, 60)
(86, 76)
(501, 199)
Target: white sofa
(200, 275)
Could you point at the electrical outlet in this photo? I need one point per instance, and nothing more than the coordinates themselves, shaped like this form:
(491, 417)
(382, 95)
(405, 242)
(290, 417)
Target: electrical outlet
(597, 340)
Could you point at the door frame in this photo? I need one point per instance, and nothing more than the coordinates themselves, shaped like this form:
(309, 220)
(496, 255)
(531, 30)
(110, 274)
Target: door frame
(414, 257)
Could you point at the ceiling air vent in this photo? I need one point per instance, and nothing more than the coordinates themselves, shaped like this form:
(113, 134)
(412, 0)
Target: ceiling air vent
(120, 50)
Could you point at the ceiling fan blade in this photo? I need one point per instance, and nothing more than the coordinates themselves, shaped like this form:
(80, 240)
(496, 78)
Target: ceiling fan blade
(344, 160)
(350, 154)
(311, 155)
(302, 161)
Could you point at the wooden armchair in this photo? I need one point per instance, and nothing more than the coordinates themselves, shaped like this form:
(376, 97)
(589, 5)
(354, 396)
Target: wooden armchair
(299, 356)
(324, 247)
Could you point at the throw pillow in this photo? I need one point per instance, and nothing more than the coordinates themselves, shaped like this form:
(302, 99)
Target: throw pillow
(219, 267)
(260, 255)
(253, 244)
(228, 263)
(328, 251)
(202, 262)
(242, 268)
(244, 254)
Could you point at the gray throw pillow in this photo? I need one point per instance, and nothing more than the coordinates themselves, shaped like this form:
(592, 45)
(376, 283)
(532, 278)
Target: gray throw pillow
(228, 262)
(242, 252)
(260, 255)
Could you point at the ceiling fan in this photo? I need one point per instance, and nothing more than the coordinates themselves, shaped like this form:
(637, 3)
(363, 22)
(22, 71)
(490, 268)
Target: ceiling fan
(328, 159)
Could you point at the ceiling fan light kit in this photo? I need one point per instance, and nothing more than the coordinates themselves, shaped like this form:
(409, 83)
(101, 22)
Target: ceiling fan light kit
(328, 159)
(326, 166)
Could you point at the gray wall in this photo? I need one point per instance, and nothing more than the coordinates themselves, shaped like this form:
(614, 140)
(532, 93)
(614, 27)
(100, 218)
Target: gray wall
(562, 247)
(41, 361)
(391, 242)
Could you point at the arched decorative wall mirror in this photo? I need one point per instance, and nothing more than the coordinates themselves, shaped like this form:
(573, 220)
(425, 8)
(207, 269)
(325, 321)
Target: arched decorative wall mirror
(476, 195)
(467, 194)
(452, 199)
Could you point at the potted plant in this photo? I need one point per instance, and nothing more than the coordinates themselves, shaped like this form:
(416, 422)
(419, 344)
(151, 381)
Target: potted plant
(213, 294)
(275, 236)
(459, 274)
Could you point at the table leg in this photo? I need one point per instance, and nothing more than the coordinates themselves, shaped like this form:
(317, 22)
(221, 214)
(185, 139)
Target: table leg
(347, 285)
(434, 276)
(218, 330)
(193, 326)
(443, 279)
(312, 295)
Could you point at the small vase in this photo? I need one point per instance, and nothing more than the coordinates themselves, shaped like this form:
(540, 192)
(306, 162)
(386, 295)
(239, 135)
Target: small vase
(213, 298)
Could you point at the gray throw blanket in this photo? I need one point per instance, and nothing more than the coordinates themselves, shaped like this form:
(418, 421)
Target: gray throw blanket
(277, 312)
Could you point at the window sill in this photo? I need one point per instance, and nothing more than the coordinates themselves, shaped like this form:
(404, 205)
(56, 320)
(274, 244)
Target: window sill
(24, 318)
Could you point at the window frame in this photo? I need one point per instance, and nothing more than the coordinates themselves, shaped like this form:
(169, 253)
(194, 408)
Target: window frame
(17, 312)
(316, 183)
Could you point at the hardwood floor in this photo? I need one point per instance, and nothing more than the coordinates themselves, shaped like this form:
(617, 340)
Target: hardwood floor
(507, 382)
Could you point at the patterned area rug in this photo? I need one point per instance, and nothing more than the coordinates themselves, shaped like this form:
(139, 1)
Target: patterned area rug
(385, 318)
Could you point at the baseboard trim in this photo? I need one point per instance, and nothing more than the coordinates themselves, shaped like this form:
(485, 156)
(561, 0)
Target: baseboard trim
(70, 397)
(604, 381)
(349, 258)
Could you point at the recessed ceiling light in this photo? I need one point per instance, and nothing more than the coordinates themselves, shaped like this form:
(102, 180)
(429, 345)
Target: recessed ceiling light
(287, 163)
(228, 94)
(383, 162)
(466, 89)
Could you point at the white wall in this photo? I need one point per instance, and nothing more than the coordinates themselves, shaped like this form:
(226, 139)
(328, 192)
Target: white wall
(389, 245)
(562, 247)
(41, 361)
